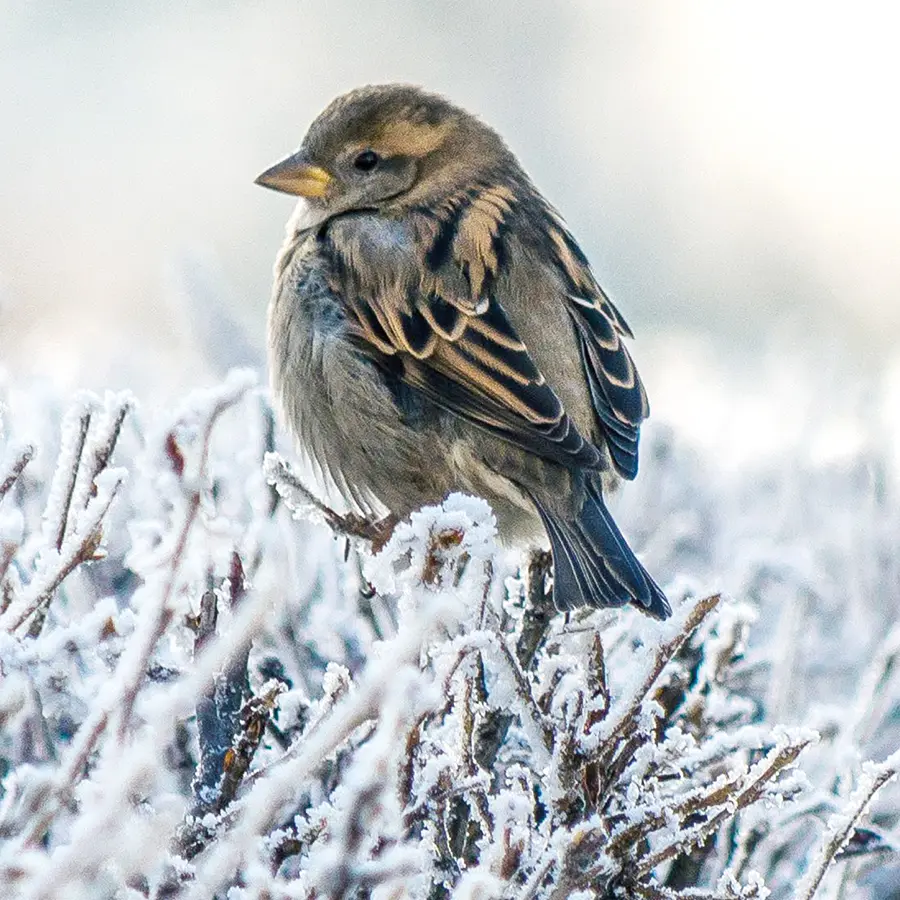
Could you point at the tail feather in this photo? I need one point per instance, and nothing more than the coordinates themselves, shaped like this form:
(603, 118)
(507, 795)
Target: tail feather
(593, 564)
(568, 570)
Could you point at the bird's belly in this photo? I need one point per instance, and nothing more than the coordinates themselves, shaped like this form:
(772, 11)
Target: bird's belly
(349, 424)
(347, 421)
(385, 447)
(517, 518)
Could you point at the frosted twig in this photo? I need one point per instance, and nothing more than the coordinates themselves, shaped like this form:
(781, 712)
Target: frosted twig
(730, 890)
(257, 809)
(95, 448)
(523, 689)
(116, 706)
(841, 825)
(20, 458)
(460, 837)
(541, 871)
(748, 792)
(67, 468)
(75, 533)
(536, 621)
(117, 408)
(539, 610)
(157, 613)
(79, 547)
(694, 802)
(302, 502)
(229, 728)
(133, 665)
(175, 703)
(626, 719)
(255, 714)
(219, 709)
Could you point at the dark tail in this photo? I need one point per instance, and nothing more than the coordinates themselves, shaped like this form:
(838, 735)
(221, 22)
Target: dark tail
(592, 563)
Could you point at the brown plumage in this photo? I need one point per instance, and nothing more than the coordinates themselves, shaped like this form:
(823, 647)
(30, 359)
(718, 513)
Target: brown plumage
(435, 327)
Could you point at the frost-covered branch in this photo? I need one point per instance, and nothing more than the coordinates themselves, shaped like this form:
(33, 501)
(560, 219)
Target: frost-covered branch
(841, 825)
(72, 523)
(187, 658)
(20, 457)
(304, 504)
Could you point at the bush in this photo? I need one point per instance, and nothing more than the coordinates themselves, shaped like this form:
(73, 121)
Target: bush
(204, 694)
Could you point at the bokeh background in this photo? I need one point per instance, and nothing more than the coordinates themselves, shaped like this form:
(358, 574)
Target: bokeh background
(730, 168)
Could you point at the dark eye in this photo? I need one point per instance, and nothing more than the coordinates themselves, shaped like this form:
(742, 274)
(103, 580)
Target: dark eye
(366, 161)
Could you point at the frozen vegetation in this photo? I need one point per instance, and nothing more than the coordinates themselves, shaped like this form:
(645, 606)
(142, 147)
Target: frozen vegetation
(211, 687)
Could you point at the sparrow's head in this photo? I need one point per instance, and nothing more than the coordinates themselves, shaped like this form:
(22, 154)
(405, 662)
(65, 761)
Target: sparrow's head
(391, 145)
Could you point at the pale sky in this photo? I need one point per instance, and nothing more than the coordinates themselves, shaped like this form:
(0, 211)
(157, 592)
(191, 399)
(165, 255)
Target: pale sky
(730, 169)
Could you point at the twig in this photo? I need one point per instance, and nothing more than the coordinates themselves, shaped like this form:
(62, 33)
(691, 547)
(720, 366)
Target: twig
(626, 720)
(841, 826)
(71, 472)
(131, 667)
(134, 664)
(75, 551)
(258, 808)
(219, 709)
(768, 769)
(196, 831)
(539, 610)
(103, 452)
(160, 716)
(298, 498)
(229, 727)
(536, 621)
(16, 467)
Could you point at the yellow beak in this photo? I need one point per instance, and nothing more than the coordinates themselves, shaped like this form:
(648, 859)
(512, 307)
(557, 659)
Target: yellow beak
(295, 175)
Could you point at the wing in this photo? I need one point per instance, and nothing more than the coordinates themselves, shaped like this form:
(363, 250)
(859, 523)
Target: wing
(474, 365)
(440, 331)
(619, 399)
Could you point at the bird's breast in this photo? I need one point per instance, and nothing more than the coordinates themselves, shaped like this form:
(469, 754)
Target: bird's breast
(370, 245)
(335, 399)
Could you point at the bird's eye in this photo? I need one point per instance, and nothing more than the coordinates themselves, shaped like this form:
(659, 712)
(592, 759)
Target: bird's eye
(366, 161)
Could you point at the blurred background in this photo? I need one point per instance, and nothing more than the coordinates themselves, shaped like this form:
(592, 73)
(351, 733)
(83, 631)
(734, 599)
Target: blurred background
(730, 169)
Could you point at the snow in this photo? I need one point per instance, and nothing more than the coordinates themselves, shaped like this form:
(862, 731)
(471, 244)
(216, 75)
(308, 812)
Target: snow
(760, 726)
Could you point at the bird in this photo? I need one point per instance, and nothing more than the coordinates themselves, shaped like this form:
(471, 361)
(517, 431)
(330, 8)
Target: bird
(434, 327)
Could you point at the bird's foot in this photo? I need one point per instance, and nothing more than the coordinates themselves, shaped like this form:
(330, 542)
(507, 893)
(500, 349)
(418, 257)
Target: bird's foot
(378, 531)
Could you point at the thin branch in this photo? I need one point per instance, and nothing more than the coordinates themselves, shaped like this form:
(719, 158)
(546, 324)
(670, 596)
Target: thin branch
(134, 664)
(76, 550)
(299, 499)
(768, 769)
(20, 460)
(131, 668)
(841, 826)
(259, 807)
(537, 619)
(627, 719)
(103, 453)
(73, 459)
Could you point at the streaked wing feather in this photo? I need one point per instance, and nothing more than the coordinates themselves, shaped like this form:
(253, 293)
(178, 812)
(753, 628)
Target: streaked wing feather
(473, 365)
(559, 442)
(446, 333)
(619, 400)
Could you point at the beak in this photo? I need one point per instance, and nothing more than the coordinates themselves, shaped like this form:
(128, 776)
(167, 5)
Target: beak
(295, 175)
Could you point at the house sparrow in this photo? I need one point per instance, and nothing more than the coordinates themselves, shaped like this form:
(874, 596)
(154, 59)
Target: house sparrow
(434, 327)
